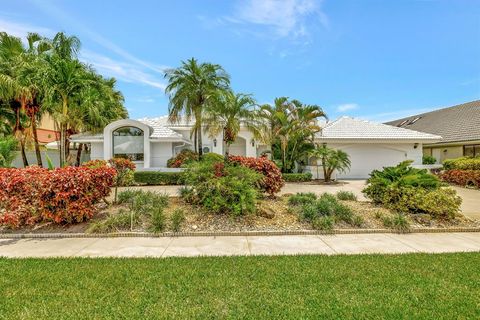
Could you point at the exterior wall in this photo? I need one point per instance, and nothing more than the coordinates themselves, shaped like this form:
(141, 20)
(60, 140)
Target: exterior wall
(366, 157)
(160, 153)
(96, 151)
(441, 153)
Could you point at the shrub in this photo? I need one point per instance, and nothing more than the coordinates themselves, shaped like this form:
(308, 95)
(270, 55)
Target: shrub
(297, 177)
(428, 160)
(441, 203)
(301, 199)
(115, 222)
(323, 223)
(464, 178)
(223, 188)
(213, 157)
(157, 219)
(357, 221)
(398, 222)
(402, 175)
(346, 195)
(182, 159)
(62, 195)
(465, 163)
(272, 180)
(153, 178)
(178, 217)
(7, 151)
(125, 169)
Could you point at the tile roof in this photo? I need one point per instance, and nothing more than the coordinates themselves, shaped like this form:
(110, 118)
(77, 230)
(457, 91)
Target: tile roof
(160, 129)
(347, 128)
(457, 123)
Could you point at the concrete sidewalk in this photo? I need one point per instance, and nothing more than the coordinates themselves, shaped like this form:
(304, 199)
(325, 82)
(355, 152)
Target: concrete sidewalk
(241, 245)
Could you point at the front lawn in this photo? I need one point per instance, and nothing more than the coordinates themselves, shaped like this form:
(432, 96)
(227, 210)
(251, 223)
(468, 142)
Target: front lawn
(309, 287)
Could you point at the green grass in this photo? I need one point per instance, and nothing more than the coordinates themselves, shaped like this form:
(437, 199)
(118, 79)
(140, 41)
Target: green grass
(294, 287)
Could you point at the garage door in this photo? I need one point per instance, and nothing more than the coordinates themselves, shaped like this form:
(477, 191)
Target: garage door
(365, 158)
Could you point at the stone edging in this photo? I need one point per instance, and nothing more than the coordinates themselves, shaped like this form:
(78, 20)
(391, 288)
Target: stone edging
(226, 233)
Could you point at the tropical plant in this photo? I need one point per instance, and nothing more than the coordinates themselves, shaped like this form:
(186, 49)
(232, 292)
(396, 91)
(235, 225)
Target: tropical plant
(7, 151)
(288, 127)
(428, 159)
(227, 115)
(331, 160)
(192, 88)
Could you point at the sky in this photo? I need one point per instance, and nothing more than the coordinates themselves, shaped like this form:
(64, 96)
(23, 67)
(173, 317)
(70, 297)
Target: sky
(373, 59)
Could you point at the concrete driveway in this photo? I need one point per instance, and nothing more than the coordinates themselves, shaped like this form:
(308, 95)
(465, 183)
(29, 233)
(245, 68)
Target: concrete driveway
(471, 201)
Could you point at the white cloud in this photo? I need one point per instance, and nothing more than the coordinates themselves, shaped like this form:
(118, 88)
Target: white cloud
(20, 30)
(121, 70)
(286, 18)
(347, 107)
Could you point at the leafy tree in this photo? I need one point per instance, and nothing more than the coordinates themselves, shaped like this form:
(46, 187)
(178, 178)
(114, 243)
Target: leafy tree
(7, 151)
(192, 88)
(332, 160)
(228, 115)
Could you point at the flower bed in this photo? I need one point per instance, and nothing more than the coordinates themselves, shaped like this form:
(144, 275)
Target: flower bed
(64, 195)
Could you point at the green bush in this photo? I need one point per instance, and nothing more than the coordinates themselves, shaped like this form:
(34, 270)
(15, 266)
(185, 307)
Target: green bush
(357, 221)
(428, 160)
(155, 178)
(323, 223)
(464, 163)
(346, 195)
(7, 151)
(178, 218)
(157, 219)
(213, 157)
(297, 177)
(223, 188)
(301, 198)
(182, 159)
(398, 222)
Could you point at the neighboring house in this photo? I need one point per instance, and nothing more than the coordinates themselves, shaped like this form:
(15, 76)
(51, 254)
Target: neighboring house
(372, 145)
(46, 130)
(458, 125)
(150, 142)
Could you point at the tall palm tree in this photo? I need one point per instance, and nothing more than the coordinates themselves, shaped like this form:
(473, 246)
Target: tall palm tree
(228, 115)
(192, 88)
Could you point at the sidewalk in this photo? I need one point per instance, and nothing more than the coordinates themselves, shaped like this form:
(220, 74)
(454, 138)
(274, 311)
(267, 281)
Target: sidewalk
(241, 245)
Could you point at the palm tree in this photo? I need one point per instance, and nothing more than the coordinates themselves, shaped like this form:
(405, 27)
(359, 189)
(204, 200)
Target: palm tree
(191, 89)
(228, 115)
(331, 160)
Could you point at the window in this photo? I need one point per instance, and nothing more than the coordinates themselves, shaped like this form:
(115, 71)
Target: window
(128, 143)
(472, 150)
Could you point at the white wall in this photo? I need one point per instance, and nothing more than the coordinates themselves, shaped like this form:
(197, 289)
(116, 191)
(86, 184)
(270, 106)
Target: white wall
(160, 153)
(366, 157)
(96, 151)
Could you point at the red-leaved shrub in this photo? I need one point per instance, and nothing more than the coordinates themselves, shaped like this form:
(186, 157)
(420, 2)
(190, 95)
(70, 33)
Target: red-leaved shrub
(462, 177)
(62, 195)
(272, 181)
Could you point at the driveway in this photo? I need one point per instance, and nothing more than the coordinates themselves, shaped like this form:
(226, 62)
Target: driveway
(471, 201)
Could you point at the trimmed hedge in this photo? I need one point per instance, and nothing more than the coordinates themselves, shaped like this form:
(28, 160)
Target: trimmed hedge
(465, 163)
(464, 178)
(297, 177)
(155, 178)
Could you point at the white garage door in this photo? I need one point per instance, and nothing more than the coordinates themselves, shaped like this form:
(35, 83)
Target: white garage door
(365, 158)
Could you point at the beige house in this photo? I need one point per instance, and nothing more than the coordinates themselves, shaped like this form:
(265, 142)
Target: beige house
(459, 127)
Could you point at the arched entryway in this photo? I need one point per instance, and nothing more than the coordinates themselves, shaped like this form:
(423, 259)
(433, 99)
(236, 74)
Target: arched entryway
(239, 147)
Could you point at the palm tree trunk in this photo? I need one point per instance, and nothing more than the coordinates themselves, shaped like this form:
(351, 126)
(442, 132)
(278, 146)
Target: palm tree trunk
(195, 140)
(22, 150)
(200, 145)
(79, 154)
(35, 141)
(326, 178)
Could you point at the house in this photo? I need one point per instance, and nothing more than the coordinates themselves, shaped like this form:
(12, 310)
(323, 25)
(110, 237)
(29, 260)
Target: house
(150, 142)
(372, 145)
(458, 125)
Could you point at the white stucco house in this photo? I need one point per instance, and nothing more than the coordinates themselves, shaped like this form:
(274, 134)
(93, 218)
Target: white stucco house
(150, 142)
(372, 145)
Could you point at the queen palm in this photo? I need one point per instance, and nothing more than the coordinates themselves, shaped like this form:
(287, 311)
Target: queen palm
(192, 88)
(228, 115)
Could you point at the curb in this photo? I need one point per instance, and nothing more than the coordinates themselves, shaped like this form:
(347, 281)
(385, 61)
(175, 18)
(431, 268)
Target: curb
(227, 233)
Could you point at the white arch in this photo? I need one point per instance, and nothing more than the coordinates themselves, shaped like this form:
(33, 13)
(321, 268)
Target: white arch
(108, 138)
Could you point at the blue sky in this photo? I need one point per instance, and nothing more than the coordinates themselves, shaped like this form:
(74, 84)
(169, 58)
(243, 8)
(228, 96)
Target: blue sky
(378, 60)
